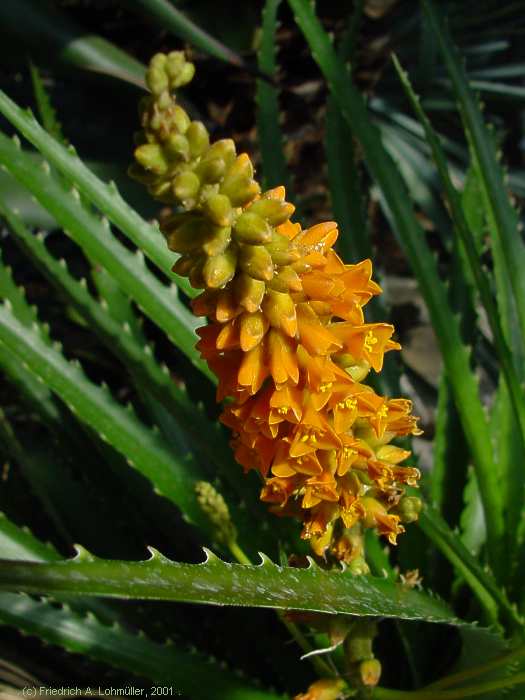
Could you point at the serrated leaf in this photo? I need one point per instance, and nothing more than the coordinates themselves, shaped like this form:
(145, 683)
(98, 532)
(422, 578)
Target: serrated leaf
(20, 543)
(219, 583)
(204, 459)
(190, 673)
(45, 108)
(507, 244)
(105, 197)
(470, 249)
(399, 211)
(493, 599)
(144, 450)
(163, 307)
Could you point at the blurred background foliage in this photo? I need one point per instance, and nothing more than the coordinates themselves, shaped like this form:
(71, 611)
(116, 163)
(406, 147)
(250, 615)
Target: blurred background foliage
(259, 84)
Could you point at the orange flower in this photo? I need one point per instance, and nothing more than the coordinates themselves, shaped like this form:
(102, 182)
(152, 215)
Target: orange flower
(286, 338)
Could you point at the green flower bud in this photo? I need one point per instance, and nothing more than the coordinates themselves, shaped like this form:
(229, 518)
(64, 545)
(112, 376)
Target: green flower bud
(211, 170)
(274, 211)
(156, 80)
(185, 237)
(238, 183)
(215, 507)
(179, 70)
(370, 672)
(252, 229)
(151, 157)
(217, 240)
(281, 251)
(179, 118)
(286, 281)
(225, 149)
(219, 269)
(256, 261)
(186, 185)
(408, 509)
(372, 508)
(177, 146)
(279, 309)
(198, 138)
(218, 209)
(244, 193)
(358, 567)
(249, 292)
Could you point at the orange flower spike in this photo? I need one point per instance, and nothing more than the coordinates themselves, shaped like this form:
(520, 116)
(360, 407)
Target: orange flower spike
(286, 337)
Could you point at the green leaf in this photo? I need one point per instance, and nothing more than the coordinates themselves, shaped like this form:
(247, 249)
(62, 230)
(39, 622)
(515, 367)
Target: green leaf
(46, 110)
(472, 253)
(20, 543)
(188, 672)
(506, 240)
(483, 585)
(143, 448)
(219, 583)
(105, 197)
(399, 210)
(450, 457)
(50, 34)
(348, 200)
(170, 19)
(160, 303)
(204, 459)
(473, 526)
(274, 167)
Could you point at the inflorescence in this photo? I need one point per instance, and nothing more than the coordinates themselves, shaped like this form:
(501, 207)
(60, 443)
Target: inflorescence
(286, 335)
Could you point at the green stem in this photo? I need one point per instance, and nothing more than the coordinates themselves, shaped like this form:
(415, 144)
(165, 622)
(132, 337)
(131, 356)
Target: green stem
(321, 667)
(472, 691)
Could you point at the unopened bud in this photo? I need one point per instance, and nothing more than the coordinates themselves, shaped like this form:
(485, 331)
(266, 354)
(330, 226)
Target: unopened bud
(186, 185)
(359, 567)
(279, 309)
(217, 240)
(372, 507)
(274, 211)
(218, 208)
(256, 262)
(252, 229)
(286, 281)
(219, 269)
(238, 183)
(151, 157)
(408, 509)
(370, 672)
(253, 328)
(179, 70)
(179, 118)
(214, 506)
(177, 146)
(198, 138)
(325, 689)
(156, 80)
(249, 292)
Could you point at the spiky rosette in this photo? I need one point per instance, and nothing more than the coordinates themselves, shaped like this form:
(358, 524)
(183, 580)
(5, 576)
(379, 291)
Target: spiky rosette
(286, 335)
